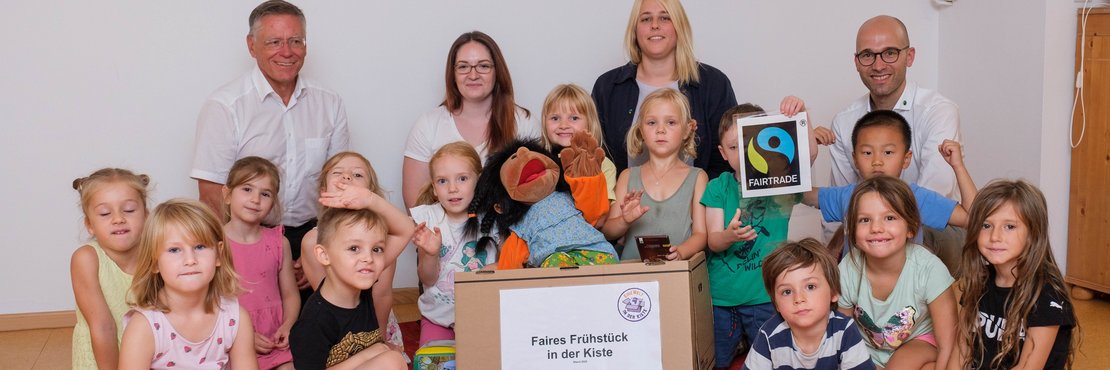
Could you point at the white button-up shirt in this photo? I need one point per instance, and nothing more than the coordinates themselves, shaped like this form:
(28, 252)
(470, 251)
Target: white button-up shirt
(932, 118)
(247, 117)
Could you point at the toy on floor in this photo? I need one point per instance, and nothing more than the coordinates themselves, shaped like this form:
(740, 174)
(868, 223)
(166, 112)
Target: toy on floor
(435, 355)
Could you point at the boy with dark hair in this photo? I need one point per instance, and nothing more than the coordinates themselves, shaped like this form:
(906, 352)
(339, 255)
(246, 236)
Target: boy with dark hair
(806, 332)
(881, 142)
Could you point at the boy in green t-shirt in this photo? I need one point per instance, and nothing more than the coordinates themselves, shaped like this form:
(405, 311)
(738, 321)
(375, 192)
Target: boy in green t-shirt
(738, 241)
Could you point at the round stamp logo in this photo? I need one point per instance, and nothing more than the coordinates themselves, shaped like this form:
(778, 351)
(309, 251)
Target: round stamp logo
(634, 304)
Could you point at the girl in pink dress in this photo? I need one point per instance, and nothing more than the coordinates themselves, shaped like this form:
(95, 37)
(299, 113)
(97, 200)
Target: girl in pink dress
(263, 258)
(185, 314)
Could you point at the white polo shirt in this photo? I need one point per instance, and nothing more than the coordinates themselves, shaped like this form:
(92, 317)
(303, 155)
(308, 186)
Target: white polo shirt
(932, 118)
(246, 117)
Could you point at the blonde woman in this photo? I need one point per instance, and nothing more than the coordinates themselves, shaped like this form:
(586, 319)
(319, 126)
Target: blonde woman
(660, 48)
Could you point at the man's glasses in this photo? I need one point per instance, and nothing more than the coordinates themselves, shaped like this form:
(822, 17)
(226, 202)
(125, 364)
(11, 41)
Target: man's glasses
(889, 55)
(293, 42)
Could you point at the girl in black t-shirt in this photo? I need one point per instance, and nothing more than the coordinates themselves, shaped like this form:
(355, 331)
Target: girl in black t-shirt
(1015, 311)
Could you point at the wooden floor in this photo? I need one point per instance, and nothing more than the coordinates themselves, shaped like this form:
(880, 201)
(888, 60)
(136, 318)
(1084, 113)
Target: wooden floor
(49, 348)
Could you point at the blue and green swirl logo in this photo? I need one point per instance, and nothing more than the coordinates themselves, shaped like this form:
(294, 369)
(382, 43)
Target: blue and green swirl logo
(785, 146)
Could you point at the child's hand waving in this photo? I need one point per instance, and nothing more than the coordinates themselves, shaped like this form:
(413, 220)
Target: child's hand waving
(738, 232)
(427, 241)
(631, 209)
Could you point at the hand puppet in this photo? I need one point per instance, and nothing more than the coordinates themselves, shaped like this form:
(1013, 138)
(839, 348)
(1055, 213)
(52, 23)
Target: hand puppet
(522, 191)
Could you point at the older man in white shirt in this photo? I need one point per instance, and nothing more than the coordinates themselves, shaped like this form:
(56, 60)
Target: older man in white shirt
(272, 112)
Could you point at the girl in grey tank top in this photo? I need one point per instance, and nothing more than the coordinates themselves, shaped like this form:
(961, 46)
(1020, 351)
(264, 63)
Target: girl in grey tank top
(664, 131)
(670, 216)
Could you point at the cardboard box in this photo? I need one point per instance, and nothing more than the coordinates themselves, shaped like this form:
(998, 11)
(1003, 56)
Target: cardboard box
(685, 316)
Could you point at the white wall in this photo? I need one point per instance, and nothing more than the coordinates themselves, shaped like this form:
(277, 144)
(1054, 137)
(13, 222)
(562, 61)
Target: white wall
(1010, 68)
(119, 83)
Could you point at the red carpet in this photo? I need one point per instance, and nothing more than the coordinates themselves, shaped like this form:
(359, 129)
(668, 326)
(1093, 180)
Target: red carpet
(410, 332)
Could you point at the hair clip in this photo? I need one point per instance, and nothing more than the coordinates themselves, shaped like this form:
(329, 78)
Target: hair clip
(471, 215)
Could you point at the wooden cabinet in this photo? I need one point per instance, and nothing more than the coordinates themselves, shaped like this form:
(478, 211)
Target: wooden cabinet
(1089, 214)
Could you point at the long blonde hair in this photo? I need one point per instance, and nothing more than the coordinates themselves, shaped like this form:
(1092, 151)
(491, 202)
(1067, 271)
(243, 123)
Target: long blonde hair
(1035, 268)
(458, 149)
(634, 140)
(198, 222)
(686, 64)
(576, 99)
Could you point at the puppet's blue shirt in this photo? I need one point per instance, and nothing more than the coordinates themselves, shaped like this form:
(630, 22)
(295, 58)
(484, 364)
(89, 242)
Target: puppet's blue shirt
(554, 225)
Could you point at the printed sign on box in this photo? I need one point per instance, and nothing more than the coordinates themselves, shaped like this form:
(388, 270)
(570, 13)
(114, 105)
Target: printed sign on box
(774, 151)
(605, 326)
(683, 306)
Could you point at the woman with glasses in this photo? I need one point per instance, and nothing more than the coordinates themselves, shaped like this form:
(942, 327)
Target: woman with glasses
(659, 44)
(478, 108)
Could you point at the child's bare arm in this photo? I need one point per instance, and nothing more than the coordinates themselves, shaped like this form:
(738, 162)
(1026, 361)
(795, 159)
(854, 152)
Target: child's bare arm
(242, 354)
(313, 270)
(83, 269)
(400, 227)
(953, 154)
(428, 241)
(811, 198)
(378, 356)
(1037, 347)
(813, 151)
(959, 354)
(137, 346)
(399, 224)
(943, 311)
(290, 296)
(722, 237)
(615, 226)
(696, 242)
(382, 293)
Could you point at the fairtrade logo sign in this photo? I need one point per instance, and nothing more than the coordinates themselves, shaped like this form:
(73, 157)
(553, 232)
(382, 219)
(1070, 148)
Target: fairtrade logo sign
(775, 156)
(783, 144)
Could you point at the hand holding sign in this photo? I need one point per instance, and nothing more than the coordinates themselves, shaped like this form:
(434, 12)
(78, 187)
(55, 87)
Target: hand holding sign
(792, 105)
(773, 151)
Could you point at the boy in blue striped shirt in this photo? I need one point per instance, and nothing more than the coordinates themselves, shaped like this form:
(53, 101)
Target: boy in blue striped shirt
(806, 332)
